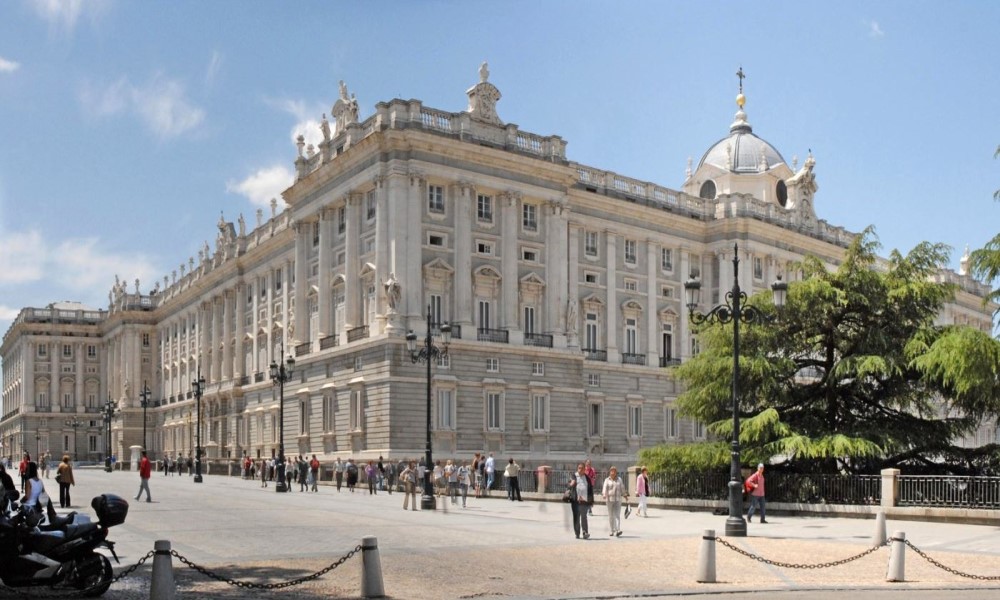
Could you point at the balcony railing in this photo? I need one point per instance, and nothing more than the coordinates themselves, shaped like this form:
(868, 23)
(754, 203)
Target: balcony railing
(303, 349)
(593, 354)
(500, 336)
(456, 330)
(538, 339)
(245, 380)
(330, 341)
(633, 359)
(666, 361)
(358, 333)
(258, 377)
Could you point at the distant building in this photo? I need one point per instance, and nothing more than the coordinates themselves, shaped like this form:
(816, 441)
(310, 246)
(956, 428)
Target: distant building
(563, 284)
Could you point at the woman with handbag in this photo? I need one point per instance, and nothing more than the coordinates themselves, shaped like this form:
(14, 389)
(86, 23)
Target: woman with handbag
(578, 490)
(64, 477)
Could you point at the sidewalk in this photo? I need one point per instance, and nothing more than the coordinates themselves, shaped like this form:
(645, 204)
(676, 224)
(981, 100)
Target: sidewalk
(497, 548)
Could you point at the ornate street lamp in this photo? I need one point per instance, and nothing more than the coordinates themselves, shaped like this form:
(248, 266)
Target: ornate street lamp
(426, 354)
(144, 401)
(280, 373)
(199, 388)
(109, 412)
(733, 310)
(75, 423)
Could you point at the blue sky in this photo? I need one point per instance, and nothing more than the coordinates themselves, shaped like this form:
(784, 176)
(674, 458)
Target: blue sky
(127, 127)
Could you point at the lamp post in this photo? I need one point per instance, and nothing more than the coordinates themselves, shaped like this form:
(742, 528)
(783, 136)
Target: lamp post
(38, 446)
(280, 373)
(427, 353)
(733, 310)
(199, 387)
(144, 401)
(109, 413)
(75, 423)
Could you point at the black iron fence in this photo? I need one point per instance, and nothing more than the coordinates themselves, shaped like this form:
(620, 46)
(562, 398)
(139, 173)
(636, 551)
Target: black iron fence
(780, 487)
(949, 491)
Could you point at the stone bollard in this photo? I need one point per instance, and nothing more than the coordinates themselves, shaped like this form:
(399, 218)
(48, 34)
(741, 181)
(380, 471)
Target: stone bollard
(162, 586)
(371, 569)
(878, 538)
(897, 558)
(706, 557)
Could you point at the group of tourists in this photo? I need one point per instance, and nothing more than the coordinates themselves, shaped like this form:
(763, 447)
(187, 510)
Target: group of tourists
(300, 469)
(177, 465)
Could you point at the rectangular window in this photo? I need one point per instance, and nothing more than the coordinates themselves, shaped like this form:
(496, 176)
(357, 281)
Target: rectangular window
(635, 421)
(631, 336)
(446, 409)
(303, 417)
(444, 361)
(315, 232)
(589, 277)
(484, 314)
(484, 208)
(43, 350)
(631, 251)
(435, 198)
(671, 423)
(699, 430)
(484, 248)
(666, 259)
(667, 291)
(631, 285)
(357, 410)
(435, 306)
(494, 411)
(91, 351)
(590, 332)
(358, 365)
(92, 443)
(341, 219)
(538, 368)
(43, 399)
(529, 217)
(67, 351)
(277, 280)
(329, 412)
(529, 255)
(370, 204)
(92, 400)
(528, 324)
(145, 340)
(758, 267)
(590, 240)
(594, 379)
(492, 365)
(595, 420)
(435, 240)
(539, 412)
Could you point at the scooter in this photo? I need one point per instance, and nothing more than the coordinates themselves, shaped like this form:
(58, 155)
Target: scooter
(62, 553)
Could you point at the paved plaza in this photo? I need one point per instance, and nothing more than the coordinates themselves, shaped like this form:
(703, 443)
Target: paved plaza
(497, 548)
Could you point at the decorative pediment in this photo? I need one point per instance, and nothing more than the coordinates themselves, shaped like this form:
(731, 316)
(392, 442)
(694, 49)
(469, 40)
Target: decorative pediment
(338, 279)
(533, 279)
(438, 269)
(367, 270)
(487, 272)
(593, 301)
(631, 309)
(667, 315)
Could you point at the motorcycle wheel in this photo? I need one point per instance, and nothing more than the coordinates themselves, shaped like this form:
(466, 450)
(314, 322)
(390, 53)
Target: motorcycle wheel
(98, 576)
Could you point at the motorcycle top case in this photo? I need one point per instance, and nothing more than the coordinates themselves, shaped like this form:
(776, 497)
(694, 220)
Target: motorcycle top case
(111, 509)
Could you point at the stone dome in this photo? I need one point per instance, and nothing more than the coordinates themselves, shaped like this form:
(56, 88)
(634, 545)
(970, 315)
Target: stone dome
(744, 149)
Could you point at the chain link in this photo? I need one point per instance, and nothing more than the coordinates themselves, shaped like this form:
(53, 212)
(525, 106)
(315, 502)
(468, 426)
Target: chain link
(266, 586)
(24, 593)
(758, 558)
(949, 569)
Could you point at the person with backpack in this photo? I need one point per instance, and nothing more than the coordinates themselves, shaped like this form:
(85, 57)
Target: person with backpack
(408, 477)
(352, 474)
(755, 483)
(314, 472)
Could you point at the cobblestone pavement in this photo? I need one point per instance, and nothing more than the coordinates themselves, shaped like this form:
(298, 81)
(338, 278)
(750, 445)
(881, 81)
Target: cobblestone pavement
(501, 549)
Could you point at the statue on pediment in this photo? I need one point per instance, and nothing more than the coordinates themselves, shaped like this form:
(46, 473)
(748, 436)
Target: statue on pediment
(345, 109)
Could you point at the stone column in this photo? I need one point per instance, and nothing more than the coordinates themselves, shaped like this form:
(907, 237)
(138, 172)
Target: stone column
(227, 334)
(239, 363)
(382, 255)
(303, 238)
(205, 340)
(612, 318)
(81, 402)
(652, 295)
(255, 323)
(28, 352)
(55, 350)
(218, 313)
(508, 205)
(684, 322)
(324, 280)
(573, 249)
(463, 299)
(890, 487)
(413, 259)
(352, 286)
(556, 271)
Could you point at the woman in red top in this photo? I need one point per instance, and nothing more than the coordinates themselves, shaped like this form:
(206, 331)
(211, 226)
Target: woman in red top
(756, 484)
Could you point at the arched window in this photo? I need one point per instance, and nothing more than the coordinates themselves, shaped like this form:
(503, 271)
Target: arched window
(707, 190)
(781, 191)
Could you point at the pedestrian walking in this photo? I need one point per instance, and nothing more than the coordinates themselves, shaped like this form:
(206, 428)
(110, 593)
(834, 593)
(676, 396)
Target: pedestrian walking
(64, 477)
(400, 467)
(371, 474)
(338, 472)
(755, 483)
(490, 469)
(451, 480)
(381, 474)
(579, 489)
(304, 473)
(642, 491)
(592, 476)
(22, 469)
(464, 481)
(390, 476)
(477, 473)
(613, 491)
(263, 473)
(314, 473)
(408, 477)
(46, 459)
(352, 475)
(145, 470)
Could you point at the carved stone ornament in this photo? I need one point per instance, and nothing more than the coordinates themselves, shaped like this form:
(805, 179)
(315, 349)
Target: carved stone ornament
(483, 99)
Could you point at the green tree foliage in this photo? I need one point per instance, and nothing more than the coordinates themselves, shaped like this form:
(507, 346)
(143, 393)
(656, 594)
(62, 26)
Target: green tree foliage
(853, 375)
(985, 262)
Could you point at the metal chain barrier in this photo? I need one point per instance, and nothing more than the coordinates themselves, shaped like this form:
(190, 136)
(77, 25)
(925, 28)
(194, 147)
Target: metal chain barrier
(758, 558)
(25, 593)
(266, 586)
(949, 569)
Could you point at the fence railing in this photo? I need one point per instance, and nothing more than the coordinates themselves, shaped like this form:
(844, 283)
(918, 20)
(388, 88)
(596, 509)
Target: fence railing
(949, 491)
(780, 487)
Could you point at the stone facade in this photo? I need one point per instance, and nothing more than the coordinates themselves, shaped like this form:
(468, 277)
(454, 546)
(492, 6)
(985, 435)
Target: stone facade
(563, 284)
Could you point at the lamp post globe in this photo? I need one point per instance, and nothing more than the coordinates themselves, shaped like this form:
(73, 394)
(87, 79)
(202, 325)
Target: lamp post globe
(733, 310)
(108, 414)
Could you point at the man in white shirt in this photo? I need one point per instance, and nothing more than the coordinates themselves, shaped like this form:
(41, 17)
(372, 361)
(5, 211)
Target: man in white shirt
(489, 473)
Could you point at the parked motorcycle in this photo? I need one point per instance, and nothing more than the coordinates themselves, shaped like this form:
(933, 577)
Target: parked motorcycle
(63, 552)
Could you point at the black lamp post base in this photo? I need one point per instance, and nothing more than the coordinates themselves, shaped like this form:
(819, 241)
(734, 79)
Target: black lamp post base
(197, 478)
(427, 502)
(281, 487)
(736, 527)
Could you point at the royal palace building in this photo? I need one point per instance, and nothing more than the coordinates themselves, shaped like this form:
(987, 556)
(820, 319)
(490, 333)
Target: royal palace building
(562, 284)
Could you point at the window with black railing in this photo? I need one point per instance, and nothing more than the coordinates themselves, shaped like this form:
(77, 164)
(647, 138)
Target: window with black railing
(666, 361)
(595, 354)
(633, 359)
(500, 336)
(538, 339)
(357, 333)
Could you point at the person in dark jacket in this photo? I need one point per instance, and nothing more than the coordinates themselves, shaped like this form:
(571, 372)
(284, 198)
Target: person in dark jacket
(580, 491)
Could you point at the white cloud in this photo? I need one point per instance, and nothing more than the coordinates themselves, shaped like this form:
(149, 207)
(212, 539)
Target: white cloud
(162, 104)
(8, 313)
(874, 30)
(76, 265)
(64, 14)
(214, 66)
(8, 66)
(264, 184)
(307, 115)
